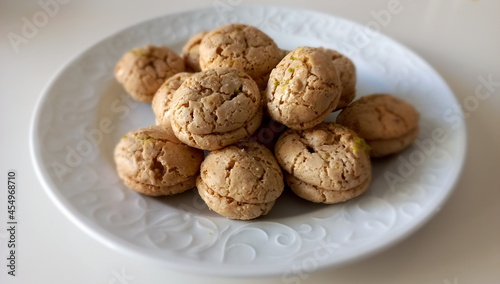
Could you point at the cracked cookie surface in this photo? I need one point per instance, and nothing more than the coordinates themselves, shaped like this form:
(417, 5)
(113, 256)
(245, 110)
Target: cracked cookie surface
(328, 156)
(154, 162)
(244, 177)
(387, 123)
(162, 100)
(215, 108)
(240, 46)
(303, 89)
(347, 75)
(230, 208)
(142, 70)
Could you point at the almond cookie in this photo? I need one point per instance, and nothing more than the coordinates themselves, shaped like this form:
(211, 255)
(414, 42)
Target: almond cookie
(322, 195)
(241, 181)
(191, 51)
(162, 100)
(387, 123)
(241, 46)
(303, 89)
(152, 161)
(215, 108)
(347, 74)
(142, 70)
(328, 157)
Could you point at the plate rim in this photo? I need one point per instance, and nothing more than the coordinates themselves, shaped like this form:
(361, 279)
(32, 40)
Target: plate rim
(130, 250)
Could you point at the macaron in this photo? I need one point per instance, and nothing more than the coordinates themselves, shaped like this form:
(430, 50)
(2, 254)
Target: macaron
(303, 89)
(326, 164)
(152, 161)
(244, 47)
(241, 181)
(142, 70)
(215, 108)
(387, 123)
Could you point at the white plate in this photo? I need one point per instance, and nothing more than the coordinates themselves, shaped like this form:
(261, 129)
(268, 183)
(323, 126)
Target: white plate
(84, 112)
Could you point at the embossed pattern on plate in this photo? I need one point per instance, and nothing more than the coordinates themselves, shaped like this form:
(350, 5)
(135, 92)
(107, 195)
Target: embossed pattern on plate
(84, 112)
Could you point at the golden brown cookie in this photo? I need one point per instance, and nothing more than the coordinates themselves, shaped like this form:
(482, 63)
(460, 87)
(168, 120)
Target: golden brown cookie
(328, 156)
(154, 162)
(241, 181)
(322, 195)
(162, 100)
(142, 70)
(240, 46)
(191, 51)
(215, 108)
(303, 89)
(387, 123)
(347, 74)
(229, 207)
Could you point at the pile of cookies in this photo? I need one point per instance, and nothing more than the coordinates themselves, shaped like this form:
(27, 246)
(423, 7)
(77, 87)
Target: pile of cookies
(227, 88)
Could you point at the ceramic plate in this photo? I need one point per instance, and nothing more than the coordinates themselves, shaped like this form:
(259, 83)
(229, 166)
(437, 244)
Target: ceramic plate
(84, 112)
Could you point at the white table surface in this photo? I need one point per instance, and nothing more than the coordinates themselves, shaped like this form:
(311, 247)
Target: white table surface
(461, 244)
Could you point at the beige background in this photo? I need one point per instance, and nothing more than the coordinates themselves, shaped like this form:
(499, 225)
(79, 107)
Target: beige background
(461, 244)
